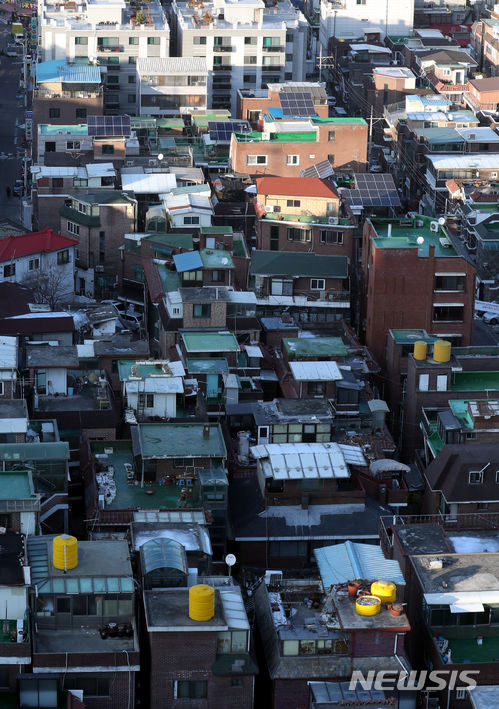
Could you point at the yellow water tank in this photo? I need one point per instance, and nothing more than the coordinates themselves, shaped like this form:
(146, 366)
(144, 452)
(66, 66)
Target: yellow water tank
(420, 349)
(65, 552)
(384, 590)
(368, 605)
(441, 350)
(201, 602)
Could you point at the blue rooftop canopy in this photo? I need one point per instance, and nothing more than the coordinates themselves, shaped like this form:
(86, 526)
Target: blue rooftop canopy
(190, 261)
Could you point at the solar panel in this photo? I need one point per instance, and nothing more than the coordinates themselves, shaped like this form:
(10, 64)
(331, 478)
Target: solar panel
(103, 126)
(373, 190)
(321, 169)
(297, 104)
(221, 131)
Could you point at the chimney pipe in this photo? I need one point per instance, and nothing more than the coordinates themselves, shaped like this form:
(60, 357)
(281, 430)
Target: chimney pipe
(206, 430)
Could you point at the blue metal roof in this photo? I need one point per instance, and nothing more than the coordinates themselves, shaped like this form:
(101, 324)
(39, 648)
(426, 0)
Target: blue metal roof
(59, 70)
(344, 562)
(190, 261)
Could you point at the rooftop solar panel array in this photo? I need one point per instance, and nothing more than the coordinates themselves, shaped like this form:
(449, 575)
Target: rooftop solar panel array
(297, 104)
(374, 190)
(221, 131)
(321, 169)
(103, 126)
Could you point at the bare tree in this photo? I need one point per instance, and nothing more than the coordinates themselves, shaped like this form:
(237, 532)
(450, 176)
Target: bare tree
(50, 287)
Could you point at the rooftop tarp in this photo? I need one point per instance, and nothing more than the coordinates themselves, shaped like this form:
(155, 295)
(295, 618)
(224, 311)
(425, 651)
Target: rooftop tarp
(344, 562)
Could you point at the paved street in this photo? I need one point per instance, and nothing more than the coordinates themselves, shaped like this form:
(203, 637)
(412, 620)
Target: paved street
(10, 135)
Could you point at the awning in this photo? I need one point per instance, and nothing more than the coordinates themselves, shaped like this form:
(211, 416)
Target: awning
(463, 607)
(253, 351)
(387, 465)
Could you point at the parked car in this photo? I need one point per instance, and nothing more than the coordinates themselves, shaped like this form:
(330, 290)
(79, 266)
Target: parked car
(491, 318)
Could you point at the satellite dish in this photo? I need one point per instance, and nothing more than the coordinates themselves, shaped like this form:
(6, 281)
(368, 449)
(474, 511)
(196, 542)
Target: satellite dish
(230, 559)
(160, 156)
(420, 240)
(442, 221)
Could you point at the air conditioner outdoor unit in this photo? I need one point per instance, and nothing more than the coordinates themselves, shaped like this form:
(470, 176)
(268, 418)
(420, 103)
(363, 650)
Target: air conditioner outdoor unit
(152, 163)
(99, 269)
(333, 220)
(269, 208)
(265, 135)
(493, 175)
(434, 226)
(129, 163)
(277, 208)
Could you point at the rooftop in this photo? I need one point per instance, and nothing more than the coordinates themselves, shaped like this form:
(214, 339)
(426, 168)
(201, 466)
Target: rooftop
(128, 369)
(210, 342)
(59, 70)
(51, 356)
(447, 578)
(405, 234)
(315, 371)
(16, 485)
(343, 562)
(12, 247)
(200, 365)
(297, 461)
(351, 620)
(317, 347)
(296, 186)
(287, 263)
(216, 258)
(172, 65)
(180, 440)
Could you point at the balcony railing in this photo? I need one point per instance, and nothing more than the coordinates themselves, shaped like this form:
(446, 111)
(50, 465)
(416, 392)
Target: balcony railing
(273, 49)
(47, 93)
(101, 48)
(222, 67)
(222, 48)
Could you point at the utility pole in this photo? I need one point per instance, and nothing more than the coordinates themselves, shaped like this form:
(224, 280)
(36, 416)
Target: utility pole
(371, 120)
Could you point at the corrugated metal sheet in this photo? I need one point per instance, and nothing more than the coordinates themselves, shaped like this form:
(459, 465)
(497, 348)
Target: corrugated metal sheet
(190, 261)
(59, 70)
(343, 562)
(297, 461)
(315, 371)
(148, 183)
(171, 65)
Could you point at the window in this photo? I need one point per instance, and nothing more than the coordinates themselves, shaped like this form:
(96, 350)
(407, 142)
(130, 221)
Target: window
(131, 79)
(330, 158)
(482, 506)
(133, 40)
(9, 270)
(54, 112)
(81, 40)
(113, 80)
(424, 380)
(73, 228)
(145, 400)
(331, 136)
(191, 220)
(57, 182)
(63, 605)
(199, 40)
(34, 264)
(50, 146)
(201, 310)
(132, 60)
(329, 236)
(361, 2)
(153, 40)
(235, 641)
(250, 60)
(475, 477)
(131, 98)
(81, 113)
(316, 388)
(293, 202)
(289, 57)
(256, 160)
(292, 159)
(303, 235)
(107, 149)
(73, 145)
(317, 284)
(62, 257)
(190, 689)
(218, 276)
(289, 38)
(238, 682)
(448, 313)
(250, 40)
(449, 283)
(102, 246)
(92, 686)
(249, 78)
(192, 276)
(274, 238)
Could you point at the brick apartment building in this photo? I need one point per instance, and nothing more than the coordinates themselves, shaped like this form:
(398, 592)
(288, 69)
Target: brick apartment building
(414, 278)
(252, 104)
(294, 146)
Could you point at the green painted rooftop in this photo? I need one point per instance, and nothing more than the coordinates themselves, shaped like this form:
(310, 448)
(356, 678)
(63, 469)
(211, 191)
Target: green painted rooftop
(309, 136)
(169, 279)
(210, 342)
(338, 121)
(216, 258)
(475, 351)
(459, 408)
(221, 229)
(180, 440)
(404, 235)
(202, 365)
(408, 337)
(77, 129)
(144, 369)
(475, 381)
(15, 485)
(315, 346)
(183, 241)
(18, 452)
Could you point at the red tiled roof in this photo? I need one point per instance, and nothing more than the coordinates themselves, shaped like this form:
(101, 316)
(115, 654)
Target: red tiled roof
(296, 186)
(33, 243)
(452, 186)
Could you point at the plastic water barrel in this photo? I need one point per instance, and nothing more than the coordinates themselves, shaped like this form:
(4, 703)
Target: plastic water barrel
(420, 349)
(441, 350)
(65, 552)
(384, 590)
(368, 605)
(201, 602)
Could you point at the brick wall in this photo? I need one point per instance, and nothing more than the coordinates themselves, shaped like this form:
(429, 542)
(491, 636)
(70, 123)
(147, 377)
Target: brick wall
(265, 228)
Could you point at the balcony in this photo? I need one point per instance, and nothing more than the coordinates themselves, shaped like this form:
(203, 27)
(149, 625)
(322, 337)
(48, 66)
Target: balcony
(272, 67)
(43, 93)
(274, 49)
(222, 67)
(217, 49)
(107, 50)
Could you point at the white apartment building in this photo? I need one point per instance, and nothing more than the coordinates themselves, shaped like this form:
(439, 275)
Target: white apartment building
(77, 31)
(172, 85)
(246, 44)
(352, 19)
